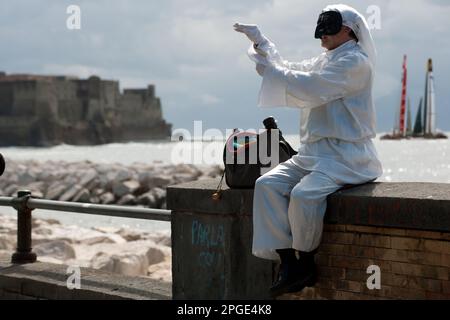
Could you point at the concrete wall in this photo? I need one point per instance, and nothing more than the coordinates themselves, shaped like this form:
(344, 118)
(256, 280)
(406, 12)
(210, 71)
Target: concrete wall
(39, 280)
(404, 228)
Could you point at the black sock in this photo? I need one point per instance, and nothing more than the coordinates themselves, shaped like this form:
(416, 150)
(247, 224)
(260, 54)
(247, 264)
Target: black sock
(287, 255)
(307, 257)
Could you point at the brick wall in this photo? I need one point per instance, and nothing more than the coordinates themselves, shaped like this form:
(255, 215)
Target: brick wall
(404, 228)
(414, 264)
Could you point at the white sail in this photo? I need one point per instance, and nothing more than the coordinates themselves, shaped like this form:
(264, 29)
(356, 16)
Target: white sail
(408, 118)
(397, 121)
(430, 126)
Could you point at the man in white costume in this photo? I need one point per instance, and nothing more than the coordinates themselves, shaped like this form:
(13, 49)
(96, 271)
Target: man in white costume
(337, 124)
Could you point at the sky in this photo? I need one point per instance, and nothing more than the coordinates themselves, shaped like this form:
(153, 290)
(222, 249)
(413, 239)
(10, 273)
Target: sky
(189, 50)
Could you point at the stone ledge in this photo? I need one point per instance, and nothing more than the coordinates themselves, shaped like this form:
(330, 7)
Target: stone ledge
(196, 196)
(422, 206)
(48, 281)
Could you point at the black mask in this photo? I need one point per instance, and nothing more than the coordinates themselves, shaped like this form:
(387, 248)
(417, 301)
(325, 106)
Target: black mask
(329, 23)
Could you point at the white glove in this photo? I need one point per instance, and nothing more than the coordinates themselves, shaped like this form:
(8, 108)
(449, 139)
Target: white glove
(251, 31)
(260, 69)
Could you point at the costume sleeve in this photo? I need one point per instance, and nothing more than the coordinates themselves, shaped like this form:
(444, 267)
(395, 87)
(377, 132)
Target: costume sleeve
(271, 56)
(305, 65)
(282, 86)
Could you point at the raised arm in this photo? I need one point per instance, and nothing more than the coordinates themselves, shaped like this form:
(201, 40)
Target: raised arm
(283, 86)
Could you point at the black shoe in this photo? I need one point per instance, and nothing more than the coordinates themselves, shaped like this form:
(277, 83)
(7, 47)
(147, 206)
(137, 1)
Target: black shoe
(294, 277)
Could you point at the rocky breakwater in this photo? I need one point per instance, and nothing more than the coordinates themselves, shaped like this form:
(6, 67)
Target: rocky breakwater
(118, 250)
(138, 184)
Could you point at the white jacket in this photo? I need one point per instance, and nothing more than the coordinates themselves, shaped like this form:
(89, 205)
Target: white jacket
(337, 118)
(332, 90)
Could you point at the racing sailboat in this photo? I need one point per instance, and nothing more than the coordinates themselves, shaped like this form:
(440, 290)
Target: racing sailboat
(425, 124)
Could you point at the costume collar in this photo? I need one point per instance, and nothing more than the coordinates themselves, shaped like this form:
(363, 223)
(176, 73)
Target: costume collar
(343, 47)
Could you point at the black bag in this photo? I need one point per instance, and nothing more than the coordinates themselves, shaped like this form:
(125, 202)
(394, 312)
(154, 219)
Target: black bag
(241, 155)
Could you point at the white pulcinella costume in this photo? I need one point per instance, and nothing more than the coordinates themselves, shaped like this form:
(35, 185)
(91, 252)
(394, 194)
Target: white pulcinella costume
(337, 124)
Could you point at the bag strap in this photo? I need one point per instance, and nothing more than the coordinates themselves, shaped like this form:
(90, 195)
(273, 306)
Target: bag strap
(217, 195)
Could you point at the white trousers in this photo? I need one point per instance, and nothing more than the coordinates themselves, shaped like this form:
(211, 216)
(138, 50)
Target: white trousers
(288, 208)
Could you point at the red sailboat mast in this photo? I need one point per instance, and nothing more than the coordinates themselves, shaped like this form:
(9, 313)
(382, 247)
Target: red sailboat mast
(403, 99)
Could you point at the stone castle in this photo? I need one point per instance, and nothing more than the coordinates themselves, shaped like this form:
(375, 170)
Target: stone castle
(38, 110)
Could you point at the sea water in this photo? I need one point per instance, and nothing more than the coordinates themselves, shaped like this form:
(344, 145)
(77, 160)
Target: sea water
(415, 160)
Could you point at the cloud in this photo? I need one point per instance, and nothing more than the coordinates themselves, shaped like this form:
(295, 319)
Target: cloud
(188, 49)
(209, 99)
(71, 70)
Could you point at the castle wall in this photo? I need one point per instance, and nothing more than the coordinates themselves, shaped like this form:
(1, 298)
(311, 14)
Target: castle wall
(69, 106)
(17, 98)
(6, 99)
(66, 110)
(46, 107)
(141, 102)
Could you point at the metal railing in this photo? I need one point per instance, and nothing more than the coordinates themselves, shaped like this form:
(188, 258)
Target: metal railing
(24, 203)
